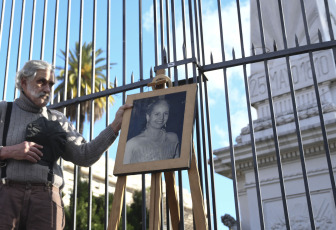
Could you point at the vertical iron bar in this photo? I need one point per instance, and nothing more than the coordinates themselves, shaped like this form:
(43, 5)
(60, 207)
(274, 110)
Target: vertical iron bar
(44, 28)
(192, 44)
(275, 137)
(155, 33)
(93, 89)
(270, 99)
(54, 42)
(318, 100)
(201, 31)
(32, 31)
(174, 40)
(143, 176)
(1, 30)
(140, 42)
(233, 162)
(124, 211)
(274, 127)
(161, 206)
(332, 37)
(180, 182)
(75, 185)
(184, 39)
(161, 30)
(167, 211)
(331, 32)
(211, 168)
(228, 117)
(64, 109)
(212, 176)
(330, 167)
(79, 88)
(18, 61)
(197, 31)
(168, 35)
(205, 161)
(107, 122)
(296, 119)
(2, 19)
(253, 147)
(8, 49)
(67, 54)
(198, 142)
(143, 210)
(169, 74)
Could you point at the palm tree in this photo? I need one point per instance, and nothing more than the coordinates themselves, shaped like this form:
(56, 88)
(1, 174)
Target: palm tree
(86, 77)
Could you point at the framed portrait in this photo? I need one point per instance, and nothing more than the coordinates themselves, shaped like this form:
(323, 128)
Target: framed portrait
(156, 133)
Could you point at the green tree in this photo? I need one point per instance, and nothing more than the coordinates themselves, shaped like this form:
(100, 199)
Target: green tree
(86, 82)
(134, 211)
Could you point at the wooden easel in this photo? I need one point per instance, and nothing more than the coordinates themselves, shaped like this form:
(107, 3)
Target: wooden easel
(155, 196)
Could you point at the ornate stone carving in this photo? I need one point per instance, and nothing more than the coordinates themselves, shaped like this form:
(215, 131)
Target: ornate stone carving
(229, 221)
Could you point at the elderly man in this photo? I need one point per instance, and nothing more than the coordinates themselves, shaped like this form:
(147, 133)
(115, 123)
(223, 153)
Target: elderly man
(30, 177)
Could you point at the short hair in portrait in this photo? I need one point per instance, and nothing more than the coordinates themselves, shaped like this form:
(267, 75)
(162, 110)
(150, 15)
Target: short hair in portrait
(156, 133)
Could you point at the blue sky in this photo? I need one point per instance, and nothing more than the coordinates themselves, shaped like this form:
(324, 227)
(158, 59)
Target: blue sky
(224, 193)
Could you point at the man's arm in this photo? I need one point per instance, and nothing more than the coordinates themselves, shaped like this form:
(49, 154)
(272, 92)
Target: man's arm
(85, 154)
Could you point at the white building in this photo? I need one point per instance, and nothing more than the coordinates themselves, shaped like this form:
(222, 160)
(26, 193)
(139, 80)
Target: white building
(313, 145)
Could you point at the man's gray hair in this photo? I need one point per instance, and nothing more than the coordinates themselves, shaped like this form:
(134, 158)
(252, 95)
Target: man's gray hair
(29, 69)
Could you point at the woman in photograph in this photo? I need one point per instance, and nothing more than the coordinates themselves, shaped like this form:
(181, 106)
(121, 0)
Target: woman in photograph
(154, 143)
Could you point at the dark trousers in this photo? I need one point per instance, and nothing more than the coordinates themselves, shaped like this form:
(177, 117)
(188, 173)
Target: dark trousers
(26, 206)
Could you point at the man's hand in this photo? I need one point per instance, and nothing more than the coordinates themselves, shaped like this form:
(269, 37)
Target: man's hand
(116, 124)
(26, 150)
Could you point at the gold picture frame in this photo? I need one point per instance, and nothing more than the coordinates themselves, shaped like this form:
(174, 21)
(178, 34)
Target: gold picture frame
(152, 139)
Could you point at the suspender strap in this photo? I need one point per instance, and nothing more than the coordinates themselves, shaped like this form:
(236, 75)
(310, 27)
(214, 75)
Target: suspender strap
(51, 164)
(4, 136)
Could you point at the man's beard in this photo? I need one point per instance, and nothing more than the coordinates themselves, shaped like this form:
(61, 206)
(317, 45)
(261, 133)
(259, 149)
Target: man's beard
(33, 92)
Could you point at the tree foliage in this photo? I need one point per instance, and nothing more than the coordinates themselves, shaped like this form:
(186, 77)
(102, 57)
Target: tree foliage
(134, 211)
(86, 79)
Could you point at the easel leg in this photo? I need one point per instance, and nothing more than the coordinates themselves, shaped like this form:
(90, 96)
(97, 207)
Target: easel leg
(117, 203)
(172, 199)
(155, 202)
(196, 194)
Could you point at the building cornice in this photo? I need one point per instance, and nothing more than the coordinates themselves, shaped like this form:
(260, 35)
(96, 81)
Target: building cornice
(312, 144)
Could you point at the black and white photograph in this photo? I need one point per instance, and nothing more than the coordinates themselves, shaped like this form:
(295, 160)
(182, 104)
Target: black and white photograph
(155, 129)
(157, 124)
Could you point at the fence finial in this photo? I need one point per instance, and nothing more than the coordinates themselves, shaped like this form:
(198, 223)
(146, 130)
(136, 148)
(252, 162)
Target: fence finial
(275, 48)
(319, 35)
(253, 50)
(296, 41)
(151, 73)
(115, 82)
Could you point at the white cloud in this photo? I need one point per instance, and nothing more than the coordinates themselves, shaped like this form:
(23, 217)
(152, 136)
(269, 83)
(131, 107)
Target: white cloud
(212, 102)
(222, 136)
(230, 36)
(148, 20)
(240, 120)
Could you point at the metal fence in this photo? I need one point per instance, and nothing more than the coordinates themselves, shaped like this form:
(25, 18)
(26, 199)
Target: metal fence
(40, 29)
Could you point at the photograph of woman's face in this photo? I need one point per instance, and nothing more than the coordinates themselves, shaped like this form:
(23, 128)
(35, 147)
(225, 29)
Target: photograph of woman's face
(157, 117)
(157, 131)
